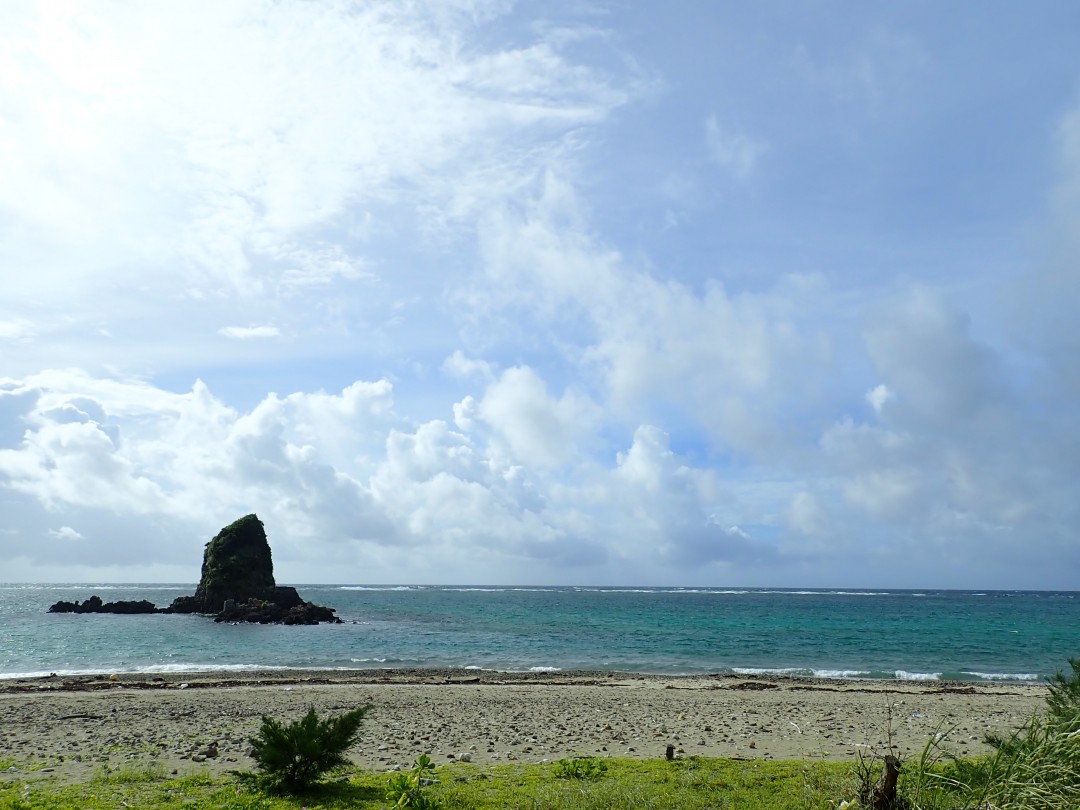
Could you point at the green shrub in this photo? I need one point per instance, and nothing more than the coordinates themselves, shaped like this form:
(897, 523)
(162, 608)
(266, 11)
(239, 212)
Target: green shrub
(1034, 768)
(293, 757)
(1063, 701)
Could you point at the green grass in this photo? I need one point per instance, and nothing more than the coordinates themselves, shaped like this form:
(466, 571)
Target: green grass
(638, 784)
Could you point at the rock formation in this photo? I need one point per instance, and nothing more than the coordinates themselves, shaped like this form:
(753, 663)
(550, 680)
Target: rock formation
(236, 585)
(237, 564)
(95, 605)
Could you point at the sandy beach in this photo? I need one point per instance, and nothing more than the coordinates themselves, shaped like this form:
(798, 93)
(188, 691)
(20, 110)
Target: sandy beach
(70, 727)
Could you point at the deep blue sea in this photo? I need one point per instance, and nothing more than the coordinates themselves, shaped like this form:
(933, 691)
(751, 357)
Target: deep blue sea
(947, 635)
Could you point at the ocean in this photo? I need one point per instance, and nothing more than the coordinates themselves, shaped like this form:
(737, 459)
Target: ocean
(1019, 636)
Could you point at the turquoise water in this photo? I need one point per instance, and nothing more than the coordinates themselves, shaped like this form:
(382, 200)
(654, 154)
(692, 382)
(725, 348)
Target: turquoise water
(954, 635)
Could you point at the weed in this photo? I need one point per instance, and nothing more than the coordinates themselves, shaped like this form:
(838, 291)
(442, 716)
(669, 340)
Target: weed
(407, 789)
(129, 774)
(587, 768)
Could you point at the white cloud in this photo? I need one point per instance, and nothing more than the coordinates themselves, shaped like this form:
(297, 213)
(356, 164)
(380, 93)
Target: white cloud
(246, 332)
(878, 396)
(78, 463)
(733, 361)
(65, 533)
(501, 361)
(537, 428)
(458, 365)
(223, 133)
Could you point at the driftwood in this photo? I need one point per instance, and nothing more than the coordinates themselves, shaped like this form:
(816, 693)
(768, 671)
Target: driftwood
(883, 796)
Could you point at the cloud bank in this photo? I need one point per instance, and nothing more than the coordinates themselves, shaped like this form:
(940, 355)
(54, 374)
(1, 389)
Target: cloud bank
(503, 293)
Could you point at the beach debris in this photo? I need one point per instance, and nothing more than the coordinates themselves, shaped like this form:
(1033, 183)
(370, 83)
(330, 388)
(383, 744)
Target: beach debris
(883, 796)
(754, 686)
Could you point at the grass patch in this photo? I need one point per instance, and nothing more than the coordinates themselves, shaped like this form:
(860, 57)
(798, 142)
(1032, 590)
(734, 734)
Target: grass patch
(131, 774)
(683, 784)
(640, 784)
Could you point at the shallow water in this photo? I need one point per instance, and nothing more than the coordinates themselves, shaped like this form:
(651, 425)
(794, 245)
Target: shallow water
(953, 635)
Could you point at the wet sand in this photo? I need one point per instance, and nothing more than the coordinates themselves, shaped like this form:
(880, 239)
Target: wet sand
(70, 728)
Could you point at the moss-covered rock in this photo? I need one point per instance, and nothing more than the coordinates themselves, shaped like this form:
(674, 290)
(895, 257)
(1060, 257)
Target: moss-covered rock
(237, 582)
(237, 564)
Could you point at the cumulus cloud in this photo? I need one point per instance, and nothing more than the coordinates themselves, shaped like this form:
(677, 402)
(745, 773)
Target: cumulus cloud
(500, 363)
(537, 428)
(343, 471)
(733, 361)
(942, 375)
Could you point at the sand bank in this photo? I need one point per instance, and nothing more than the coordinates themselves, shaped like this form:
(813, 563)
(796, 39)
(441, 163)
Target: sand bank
(70, 727)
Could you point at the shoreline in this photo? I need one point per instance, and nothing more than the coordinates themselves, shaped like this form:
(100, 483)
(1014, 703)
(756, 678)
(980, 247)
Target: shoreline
(71, 727)
(254, 675)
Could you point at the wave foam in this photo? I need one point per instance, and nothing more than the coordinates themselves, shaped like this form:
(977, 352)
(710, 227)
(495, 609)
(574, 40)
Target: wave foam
(1005, 676)
(903, 675)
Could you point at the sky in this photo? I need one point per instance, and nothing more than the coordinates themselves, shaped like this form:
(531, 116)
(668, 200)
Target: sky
(589, 292)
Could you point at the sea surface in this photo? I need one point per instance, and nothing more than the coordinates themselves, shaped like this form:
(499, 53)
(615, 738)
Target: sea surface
(918, 635)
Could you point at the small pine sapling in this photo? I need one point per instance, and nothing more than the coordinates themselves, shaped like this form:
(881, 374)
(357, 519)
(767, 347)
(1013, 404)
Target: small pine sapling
(293, 757)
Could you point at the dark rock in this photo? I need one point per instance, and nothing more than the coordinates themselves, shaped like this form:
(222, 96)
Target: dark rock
(237, 585)
(236, 565)
(266, 612)
(140, 606)
(285, 597)
(183, 604)
(95, 605)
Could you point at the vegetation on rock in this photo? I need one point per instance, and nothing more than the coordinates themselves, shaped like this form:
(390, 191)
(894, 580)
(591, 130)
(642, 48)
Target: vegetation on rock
(237, 564)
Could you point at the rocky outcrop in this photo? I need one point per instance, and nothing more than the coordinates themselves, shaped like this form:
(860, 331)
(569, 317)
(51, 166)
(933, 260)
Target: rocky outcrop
(264, 612)
(95, 605)
(236, 585)
(237, 565)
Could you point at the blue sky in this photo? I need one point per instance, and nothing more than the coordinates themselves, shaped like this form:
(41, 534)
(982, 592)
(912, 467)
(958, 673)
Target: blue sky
(542, 293)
